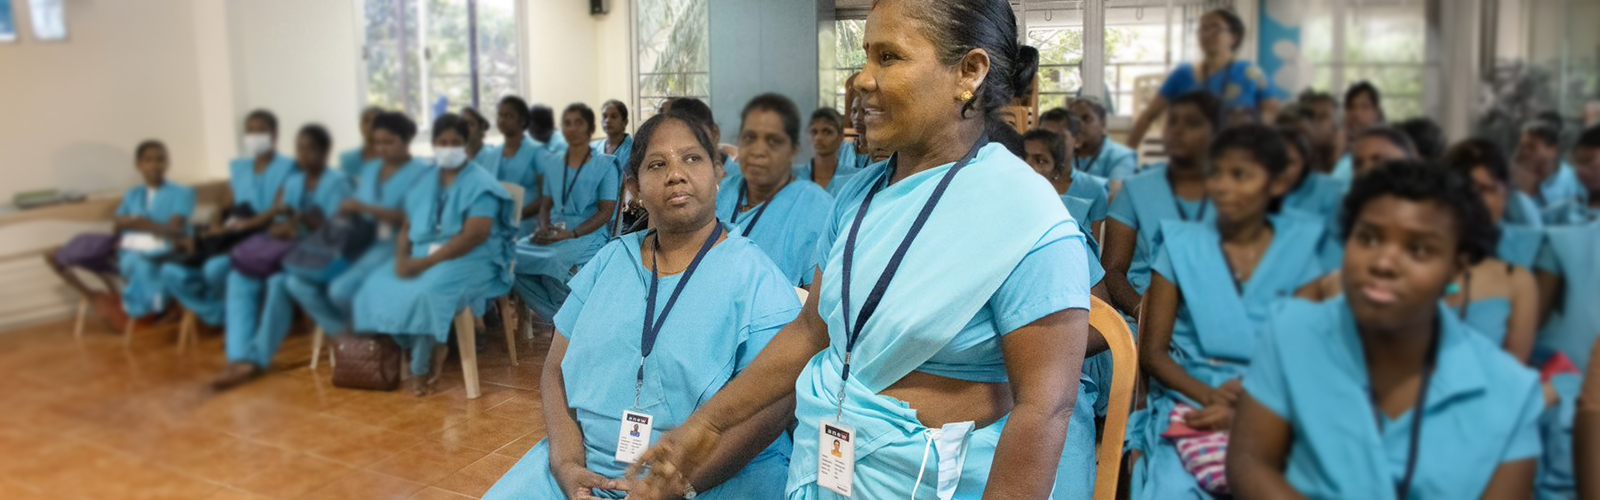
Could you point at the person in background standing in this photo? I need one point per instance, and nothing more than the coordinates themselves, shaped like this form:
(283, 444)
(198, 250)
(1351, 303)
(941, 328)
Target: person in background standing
(1241, 86)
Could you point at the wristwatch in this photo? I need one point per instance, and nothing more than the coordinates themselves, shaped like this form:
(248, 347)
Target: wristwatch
(689, 493)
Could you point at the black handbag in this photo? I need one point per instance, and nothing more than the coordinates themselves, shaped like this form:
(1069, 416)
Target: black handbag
(206, 245)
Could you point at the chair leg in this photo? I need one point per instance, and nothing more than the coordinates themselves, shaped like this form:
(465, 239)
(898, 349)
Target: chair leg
(467, 341)
(127, 332)
(186, 330)
(316, 346)
(525, 321)
(508, 324)
(83, 310)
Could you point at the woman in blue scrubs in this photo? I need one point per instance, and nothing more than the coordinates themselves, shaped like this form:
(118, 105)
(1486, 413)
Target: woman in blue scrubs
(1376, 146)
(254, 182)
(1363, 109)
(580, 194)
(1211, 288)
(477, 128)
(1313, 193)
(453, 253)
(1569, 272)
(1084, 195)
(150, 218)
(784, 215)
(1172, 191)
(617, 142)
(1499, 296)
(1240, 85)
(1096, 153)
(833, 163)
(707, 300)
(351, 160)
(938, 373)
(380, 190)
(517, 160)
(259, 312)
(1386, 393)
(1540, 172)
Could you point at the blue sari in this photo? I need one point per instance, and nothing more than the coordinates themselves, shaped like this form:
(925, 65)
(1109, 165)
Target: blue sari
(1241, 85)
(1145, 201)
(787, 226)
(142, 292)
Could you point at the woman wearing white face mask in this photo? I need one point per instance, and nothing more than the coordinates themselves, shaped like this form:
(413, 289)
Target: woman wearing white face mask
(452, 253)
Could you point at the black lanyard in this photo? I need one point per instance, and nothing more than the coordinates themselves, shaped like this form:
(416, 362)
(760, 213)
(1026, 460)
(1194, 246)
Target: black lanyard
(1177, 203)
(1418, 411)
(566, 187)
(653, 323)
(619, 145)
(734, 217)
(853, 331)
(1078, 162)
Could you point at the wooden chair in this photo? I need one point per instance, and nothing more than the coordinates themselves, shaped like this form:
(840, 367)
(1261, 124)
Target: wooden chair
(1125, 367)
(466, 325)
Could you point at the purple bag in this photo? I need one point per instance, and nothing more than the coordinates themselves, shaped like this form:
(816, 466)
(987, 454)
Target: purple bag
(93, 251)
(260, 256)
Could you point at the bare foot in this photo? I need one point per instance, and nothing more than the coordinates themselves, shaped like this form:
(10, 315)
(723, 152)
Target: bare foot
(436, 366)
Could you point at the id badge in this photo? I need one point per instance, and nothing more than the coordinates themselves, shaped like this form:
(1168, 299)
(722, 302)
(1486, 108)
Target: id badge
(634, 437)
(434, 248)
(836, 457)
(385, 232)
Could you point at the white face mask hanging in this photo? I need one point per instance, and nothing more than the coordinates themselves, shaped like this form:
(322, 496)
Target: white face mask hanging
(257, 144)
(450, 158)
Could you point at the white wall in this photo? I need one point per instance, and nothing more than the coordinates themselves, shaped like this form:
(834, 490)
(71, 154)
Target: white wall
(298, 59)
(571, 56)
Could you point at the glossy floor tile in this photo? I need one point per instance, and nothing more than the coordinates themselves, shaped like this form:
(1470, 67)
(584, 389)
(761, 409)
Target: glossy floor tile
(97, 419)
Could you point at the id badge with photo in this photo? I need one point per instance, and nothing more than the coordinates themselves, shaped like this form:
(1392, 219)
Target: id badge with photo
(634, 437)
(836, 457)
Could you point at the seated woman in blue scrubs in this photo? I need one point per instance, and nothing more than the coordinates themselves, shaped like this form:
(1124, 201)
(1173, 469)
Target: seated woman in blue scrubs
(254, 182)
(1084, 195)
(961, 373)
(1211, 288)
(1313, 193)
(259, 312)
(782, 214)
(151, 217)
(1385, 392)
(1096, 154)
(1376, 146)
(379, 192)
(351, 160)
(1541, 173)
(1363, 109)
(517, 160)
(833, 163)
(1499, 296)
(1239, 84)
(1568, 271)
(453, 253)
(707, 300)
(477, 128)
(1172, 191)
(614, 122)
(574, 209)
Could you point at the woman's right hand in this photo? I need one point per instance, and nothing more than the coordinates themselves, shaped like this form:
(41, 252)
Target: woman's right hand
(670, 461)
(579, 483)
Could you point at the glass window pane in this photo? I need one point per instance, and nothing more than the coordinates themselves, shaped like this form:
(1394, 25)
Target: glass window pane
(673, 54)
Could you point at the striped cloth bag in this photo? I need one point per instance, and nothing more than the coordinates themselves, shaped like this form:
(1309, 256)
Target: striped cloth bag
(1204, 453)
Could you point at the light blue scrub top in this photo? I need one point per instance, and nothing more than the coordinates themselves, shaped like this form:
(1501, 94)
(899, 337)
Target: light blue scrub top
(391, 193)
(850, 163)
(1241, 85)
(1569, 252)
(1575, 210)
(789, 227)
(1522, 210)
(519, 169)
(1114, 163)
(331, 191)
(1344, 169)
(1519, 245)
(1319, 195)
(159, 205)
(730, 309)
(1482, 409)
(259, 191)
(596, 181)
(1146, 200)
(350, 162)
(622, 153)
(1557, 192)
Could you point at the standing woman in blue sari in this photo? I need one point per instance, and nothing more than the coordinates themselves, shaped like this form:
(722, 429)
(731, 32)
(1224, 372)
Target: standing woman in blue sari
(379, 192)
(1173, 191)
(1211, 288)
(784, 215)
(1241, 85)
(351, 160)
(940, 348)
(259, 311)
(452, 253)
(254, 182)
(577, 203)
(1385, 392)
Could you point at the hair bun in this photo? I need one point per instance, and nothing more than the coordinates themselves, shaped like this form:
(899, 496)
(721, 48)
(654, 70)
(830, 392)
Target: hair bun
(1025, 66)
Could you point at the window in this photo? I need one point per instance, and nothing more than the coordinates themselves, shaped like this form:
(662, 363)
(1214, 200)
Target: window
(674, 53)
(848, 59)
(422, 56)
(1140, 42)
(1384, 44)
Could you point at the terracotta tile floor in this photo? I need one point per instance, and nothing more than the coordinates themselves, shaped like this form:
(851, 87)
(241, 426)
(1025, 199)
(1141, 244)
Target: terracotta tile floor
(93, 419)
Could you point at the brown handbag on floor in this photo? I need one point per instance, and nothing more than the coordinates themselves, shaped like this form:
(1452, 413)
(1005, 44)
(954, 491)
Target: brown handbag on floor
(366, 362)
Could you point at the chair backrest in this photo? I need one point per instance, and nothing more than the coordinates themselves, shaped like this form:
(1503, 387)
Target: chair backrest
(1124, 368)
(515, 190)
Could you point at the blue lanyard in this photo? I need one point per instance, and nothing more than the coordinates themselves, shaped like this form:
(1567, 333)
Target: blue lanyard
(853, 330)
(653, 323)
(566, 187)
(734, 217)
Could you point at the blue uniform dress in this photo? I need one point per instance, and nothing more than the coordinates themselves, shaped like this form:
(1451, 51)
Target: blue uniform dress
(329, 302)
(623, 152)
(1115, 162)
(1575, 210)
(142, 292)
(519, 169)
(575, 194)
(732, 306)
(1344, 169)
(850, 163)
(1145, 201)
(1522, 210)
(1319, 195)
(351, 164)
(940, 316)
(1086, 201)
(200, 290)
(1241, 85)
(418, 310)
(1481, 410)
(259, 312)
(1559, 193)
(1215, 331)
(787, 227)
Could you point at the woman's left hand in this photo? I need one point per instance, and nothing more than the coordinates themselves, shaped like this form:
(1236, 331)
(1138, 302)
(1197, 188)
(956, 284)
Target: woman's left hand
(406, 267)
(662, 473)
(1217, 417)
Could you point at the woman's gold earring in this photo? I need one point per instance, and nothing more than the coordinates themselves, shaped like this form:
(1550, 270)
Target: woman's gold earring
(966, 96)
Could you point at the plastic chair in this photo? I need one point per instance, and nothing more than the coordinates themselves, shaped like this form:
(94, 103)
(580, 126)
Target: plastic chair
(465, 323)
(1125, 367)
